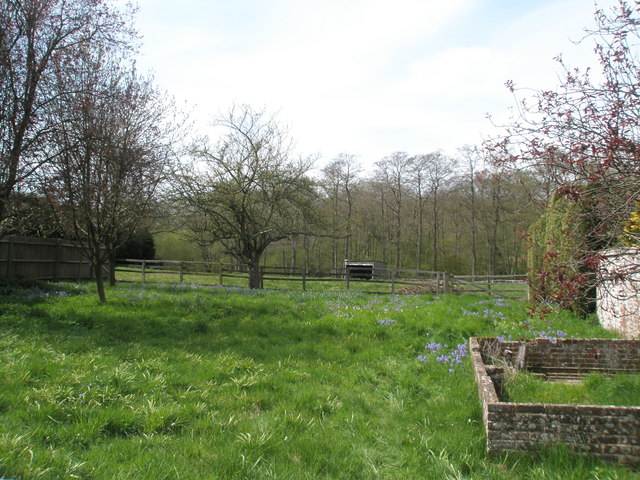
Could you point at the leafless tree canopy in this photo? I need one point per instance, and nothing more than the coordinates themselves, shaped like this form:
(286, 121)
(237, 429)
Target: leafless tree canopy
(115, 137)
(247, 189)
(35, 37)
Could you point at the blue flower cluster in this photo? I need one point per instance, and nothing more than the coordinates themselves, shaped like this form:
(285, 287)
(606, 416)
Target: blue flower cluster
(35, 293)
(394, 304)
(444, 355)
(488, 312)
(143, 295)
(495, 314)
(498, 302)
(549, 334)
(386, 321)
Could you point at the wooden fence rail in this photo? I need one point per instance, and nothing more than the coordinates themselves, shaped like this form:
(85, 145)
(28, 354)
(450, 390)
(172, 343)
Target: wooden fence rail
(382, 281)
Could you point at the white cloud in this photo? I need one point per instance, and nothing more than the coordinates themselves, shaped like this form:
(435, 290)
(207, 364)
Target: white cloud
(368, 77)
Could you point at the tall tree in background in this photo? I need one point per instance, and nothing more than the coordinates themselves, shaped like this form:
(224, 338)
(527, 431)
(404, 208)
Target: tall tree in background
(392, 173)
(250, 188)
(420, 185)
(339, 180)
(439, 171)
(586, 136)
(472, 159)
(35, 35)
(116, 134)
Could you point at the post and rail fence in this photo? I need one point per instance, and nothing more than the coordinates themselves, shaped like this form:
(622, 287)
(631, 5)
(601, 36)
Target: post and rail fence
(57, 260)
(384, 280)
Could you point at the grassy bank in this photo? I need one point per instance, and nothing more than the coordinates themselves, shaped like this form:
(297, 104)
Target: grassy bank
(172, 382)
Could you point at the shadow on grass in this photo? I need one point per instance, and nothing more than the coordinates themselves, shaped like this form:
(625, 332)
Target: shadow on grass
(256, 326)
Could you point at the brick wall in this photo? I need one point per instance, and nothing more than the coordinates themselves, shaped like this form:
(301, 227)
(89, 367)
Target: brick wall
(612, 433)
(608, 432)
(618, 293)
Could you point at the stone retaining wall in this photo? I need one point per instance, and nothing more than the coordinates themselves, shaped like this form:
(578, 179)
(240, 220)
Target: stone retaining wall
(608, 432)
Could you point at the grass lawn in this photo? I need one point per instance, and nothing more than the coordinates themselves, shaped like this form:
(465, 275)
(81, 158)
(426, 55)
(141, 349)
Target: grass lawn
(593, 389)
(188, 382)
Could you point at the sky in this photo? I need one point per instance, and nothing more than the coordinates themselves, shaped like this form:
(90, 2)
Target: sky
(367, 78)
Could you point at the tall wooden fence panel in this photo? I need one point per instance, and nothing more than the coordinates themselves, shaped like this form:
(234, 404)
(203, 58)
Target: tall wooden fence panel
(43, 259)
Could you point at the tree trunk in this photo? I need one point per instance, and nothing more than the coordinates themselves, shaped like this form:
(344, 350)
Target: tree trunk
(294, 254)
(97, 269)
(419, 239)
(255, 276)
(435, 230)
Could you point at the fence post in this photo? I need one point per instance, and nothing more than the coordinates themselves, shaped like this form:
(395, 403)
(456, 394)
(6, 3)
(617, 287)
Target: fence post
(446, 285)
(181, 272)
(348, 276)
(220, 267)
(144, 263)
(393, 282)
(304, 280)
(438, 283)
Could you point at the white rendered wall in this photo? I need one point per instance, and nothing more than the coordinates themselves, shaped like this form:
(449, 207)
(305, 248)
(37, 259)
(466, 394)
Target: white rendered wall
(619, 292)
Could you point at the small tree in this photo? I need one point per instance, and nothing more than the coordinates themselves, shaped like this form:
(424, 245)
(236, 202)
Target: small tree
(585, 136)
(116, 134)
(247, 188)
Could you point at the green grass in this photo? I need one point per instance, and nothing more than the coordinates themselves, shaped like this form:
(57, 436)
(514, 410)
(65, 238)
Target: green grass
(186, 382)
(593, 389)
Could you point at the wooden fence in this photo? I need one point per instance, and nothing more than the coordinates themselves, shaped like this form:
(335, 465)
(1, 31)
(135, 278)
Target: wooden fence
(43, 259)
(340, 279)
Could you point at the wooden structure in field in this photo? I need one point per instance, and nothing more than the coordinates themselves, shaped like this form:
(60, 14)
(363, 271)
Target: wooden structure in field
(365, 269)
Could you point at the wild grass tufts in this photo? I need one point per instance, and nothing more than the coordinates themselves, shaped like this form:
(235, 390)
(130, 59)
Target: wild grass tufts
(167, 382)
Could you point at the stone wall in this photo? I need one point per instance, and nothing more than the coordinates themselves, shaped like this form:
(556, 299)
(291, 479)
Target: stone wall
(618, 292)
(605, 431)
(611, 433)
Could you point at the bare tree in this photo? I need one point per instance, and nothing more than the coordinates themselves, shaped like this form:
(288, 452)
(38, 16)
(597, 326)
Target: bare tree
(35, 35)
(340, 177)
(393, 175)
(473, 159)
(117, 136)
(440, 169)
(248, 186)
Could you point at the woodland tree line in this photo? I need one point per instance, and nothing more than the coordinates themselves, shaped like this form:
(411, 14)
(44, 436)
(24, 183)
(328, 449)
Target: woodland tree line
(425, 212)
(92, 150)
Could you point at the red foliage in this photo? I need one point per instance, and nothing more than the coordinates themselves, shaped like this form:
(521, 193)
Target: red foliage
(584, 137)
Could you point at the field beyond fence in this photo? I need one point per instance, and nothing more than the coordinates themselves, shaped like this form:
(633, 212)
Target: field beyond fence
(383, 280)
